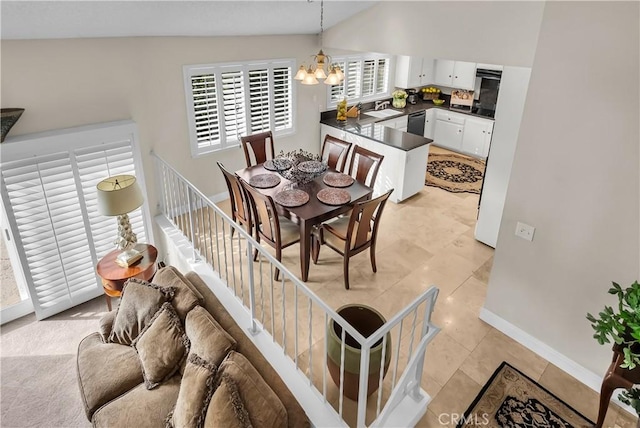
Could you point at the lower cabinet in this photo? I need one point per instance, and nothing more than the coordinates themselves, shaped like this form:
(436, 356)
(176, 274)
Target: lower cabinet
(462, 133)
(429, 123)
(448, 135)
(400, 170)
(477, 137)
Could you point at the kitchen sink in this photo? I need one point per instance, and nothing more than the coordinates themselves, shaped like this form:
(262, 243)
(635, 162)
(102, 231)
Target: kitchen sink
(383, 114)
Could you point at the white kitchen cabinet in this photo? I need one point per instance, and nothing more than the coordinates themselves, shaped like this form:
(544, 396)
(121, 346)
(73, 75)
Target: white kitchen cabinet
(400, 170)
(476, 137)
(413, 71)
(455, 74)
(448, 134)
(396, 123)
(429, 123)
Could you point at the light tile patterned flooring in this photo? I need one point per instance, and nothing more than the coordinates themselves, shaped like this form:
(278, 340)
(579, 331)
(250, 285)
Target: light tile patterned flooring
(429, 240)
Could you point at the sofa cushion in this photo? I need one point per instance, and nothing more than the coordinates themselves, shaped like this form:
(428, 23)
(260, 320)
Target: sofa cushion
(195, 393)
(185, 297)
(296, 415)
(262, 404)
(161, 346)
(140, 407)
(208, 339)
(139, 302)
(106, 324)
(226, 408)
(105, 371)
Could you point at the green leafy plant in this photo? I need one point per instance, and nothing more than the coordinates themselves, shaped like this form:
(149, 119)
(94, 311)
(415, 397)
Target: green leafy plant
(622, 326)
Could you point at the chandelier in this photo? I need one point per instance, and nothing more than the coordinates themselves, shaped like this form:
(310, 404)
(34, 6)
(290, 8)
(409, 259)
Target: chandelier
(316, 70)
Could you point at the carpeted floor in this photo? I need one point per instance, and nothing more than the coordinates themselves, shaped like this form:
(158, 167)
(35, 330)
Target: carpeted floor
(455, 173)
(511, 399)
(37, 368)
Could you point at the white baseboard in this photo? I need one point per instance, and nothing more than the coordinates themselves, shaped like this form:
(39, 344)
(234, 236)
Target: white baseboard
(559, 360)
(219, 197)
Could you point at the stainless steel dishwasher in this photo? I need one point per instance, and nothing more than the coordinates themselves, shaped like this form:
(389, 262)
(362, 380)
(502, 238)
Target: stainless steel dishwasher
(415, 123)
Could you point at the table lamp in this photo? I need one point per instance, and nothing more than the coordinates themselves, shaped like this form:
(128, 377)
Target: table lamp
(118, 196)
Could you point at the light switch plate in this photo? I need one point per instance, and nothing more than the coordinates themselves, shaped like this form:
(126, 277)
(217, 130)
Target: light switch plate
(525, 231)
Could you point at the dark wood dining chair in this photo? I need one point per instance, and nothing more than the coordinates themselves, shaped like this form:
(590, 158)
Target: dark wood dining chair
(261, 146)
(351, 235)
(240, 208)
(277, 231)
(335, 151)
(365, 164)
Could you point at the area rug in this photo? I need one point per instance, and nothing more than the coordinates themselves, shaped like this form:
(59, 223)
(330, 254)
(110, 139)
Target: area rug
(454, 173)
(512, 399)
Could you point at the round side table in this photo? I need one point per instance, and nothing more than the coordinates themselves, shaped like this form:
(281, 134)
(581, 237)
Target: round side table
(114, 276)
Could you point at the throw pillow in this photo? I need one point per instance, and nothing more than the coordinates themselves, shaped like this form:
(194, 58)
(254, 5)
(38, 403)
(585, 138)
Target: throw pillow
(196, 388)
(106, 324)
(161, 346)
(260, 402)
(226, 408)
(207, 338)
(139, 302)
(185, 297)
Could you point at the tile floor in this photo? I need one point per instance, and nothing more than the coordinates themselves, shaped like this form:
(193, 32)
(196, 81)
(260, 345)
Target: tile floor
(429, 240)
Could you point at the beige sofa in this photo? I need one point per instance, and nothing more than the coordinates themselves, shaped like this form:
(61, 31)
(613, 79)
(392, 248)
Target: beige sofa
(221, 378)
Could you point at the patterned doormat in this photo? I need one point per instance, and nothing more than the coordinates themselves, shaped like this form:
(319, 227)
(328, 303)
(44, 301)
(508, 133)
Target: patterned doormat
(512, 399)
(454, 173)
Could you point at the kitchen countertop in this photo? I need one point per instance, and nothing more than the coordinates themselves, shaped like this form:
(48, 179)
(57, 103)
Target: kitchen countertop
(367, 126)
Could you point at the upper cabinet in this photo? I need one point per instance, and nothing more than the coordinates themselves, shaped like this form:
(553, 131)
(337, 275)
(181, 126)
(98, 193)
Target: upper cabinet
(455, 74)
(413, 71)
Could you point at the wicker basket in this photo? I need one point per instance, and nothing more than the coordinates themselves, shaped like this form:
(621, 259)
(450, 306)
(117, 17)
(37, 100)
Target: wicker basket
(430, 96)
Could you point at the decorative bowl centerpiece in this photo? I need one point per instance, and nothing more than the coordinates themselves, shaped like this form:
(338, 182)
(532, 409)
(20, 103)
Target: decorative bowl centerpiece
(305, 166)
(438, 102)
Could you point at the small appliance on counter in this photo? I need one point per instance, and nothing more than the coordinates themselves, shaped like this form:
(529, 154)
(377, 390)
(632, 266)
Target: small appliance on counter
(461, 100)
(412, 96)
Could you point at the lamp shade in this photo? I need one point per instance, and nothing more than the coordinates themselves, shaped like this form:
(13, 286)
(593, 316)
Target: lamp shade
(118, 195)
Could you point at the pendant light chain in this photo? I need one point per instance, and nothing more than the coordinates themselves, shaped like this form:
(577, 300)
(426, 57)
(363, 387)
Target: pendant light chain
(321, 21)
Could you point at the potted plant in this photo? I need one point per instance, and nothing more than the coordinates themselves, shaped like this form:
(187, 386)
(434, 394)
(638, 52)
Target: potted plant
(622, 326)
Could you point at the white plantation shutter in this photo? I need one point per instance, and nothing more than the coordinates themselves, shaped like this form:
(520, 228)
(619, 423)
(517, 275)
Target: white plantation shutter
(353, 78)
(368, 77)
(382, 76)
(228, 101)
(50, 201)
(282, 98)
(235, 121)
(336, 93)
(94, 165)
(206, 116)
(54, 242)
(259, 105)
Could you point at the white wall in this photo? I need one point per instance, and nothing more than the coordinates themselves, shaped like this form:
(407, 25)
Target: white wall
(72, 82)
(478, 31)
(575, 178)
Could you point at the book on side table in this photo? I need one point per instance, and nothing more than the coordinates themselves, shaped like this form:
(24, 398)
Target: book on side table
(127, 258)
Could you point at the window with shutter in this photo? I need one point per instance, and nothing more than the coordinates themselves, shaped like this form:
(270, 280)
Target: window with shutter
(49, 196)
(366, 79)
(227, 101)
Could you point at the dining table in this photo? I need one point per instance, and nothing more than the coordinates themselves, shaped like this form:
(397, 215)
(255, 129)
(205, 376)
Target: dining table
(311, 213)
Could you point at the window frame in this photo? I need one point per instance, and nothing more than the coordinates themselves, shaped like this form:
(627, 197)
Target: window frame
(217, 69)
(361, 58)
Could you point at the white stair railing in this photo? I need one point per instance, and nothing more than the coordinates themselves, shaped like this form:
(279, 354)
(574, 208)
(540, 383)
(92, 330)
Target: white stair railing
(287, 311)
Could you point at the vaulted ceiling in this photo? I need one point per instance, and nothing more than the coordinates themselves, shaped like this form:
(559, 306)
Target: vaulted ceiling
(71, 19)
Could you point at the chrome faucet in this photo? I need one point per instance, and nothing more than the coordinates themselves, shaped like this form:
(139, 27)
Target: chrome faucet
(381, 105)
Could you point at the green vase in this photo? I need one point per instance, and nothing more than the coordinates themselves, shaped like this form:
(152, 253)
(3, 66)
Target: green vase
(367, 321)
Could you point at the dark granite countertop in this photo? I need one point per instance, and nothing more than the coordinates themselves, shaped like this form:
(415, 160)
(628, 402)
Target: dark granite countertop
(367, 126)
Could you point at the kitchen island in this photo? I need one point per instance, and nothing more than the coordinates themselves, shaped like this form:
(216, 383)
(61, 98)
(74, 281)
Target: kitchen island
(405, 155)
